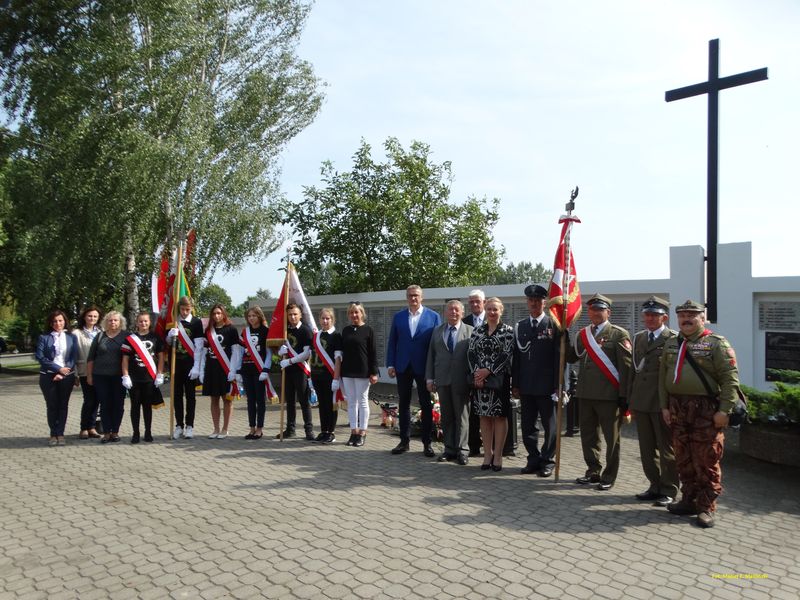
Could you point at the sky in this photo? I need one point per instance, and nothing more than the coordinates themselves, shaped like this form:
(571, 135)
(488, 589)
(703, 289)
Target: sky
(530, 98)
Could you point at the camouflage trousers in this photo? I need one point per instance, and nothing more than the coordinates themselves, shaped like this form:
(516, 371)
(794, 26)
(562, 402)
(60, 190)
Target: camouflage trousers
(698, 449)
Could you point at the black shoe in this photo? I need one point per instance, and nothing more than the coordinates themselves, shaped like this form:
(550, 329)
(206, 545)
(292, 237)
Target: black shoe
(529, 470)
(428, 451)
(250, 436)
(648, 496)
(497, 468)
(400, 448)
(148, 437)
(330, 439)
(485, 467)
(593, 478)
(321, 437)
(545, 472)
(351, 440)
(604, 486)
(462, 459)
(359, 441)
(682, 508)
(288, 433)
(135, 438)
(310, 436)
(663, 501)
(446, 457)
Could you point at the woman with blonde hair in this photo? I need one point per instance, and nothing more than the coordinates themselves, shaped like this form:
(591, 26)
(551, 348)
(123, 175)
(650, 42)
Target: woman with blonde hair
(490, 353)
(359, 371)
(104, 372)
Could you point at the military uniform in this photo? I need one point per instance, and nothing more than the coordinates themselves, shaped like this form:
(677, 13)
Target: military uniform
(697, 441)
(655, 437)
(600, 399)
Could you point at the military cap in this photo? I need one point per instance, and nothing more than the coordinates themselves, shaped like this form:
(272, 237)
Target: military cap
(654, 304)
(690, 306)
(599, 301)
(535, 291)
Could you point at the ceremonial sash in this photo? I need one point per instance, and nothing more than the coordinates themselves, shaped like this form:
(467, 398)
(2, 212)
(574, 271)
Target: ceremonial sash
(186, 341)
(251, 349)
(682, 356)
(222, 358)
(143, 354)
(303, 365)
(326, 360)
(599, 357)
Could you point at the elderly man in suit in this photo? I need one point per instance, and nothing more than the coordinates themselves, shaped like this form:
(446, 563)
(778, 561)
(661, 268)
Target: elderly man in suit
(534, 380)
(446, 374)
(655, 438)
(406, 358)
(476, 299)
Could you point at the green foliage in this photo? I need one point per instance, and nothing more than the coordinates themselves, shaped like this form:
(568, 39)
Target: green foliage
(134, 122)
(382, 226)
(260, 296)
(785, 375)
(208, 296)
(522, 272)
(782, 405)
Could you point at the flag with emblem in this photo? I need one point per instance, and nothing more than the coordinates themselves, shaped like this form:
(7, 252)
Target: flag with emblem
(291, 292)
(564, 298)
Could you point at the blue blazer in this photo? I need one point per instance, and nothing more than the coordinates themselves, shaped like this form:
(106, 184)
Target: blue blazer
(404, 350)
(46, 352)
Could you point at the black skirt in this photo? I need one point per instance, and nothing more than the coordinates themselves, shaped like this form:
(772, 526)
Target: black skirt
(215, 381)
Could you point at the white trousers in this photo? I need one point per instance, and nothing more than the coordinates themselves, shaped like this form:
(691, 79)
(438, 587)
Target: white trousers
(356, 390)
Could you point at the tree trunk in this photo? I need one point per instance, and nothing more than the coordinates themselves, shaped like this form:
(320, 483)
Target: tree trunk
(131, 293)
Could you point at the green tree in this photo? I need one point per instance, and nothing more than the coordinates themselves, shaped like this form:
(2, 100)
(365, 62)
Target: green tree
(212, 294)
(130, 123)
(385, 225)
(260, 296)
(522, 272)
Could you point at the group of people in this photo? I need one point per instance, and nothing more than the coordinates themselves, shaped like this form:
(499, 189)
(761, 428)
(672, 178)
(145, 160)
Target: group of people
(679, 386)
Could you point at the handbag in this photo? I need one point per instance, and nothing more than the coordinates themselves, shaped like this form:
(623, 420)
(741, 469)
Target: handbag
(738, 414)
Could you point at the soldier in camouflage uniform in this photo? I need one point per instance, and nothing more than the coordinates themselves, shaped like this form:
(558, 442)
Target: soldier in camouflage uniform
(696, 418)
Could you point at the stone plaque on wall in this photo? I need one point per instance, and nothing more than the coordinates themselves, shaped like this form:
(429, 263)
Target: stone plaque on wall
(782, 353)
(779, 315)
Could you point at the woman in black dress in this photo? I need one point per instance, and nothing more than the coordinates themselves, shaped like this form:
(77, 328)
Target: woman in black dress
(223, 355)
(491, 349)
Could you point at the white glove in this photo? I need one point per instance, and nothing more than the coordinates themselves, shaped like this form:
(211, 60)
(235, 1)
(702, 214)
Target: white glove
(200, 376)
(240, 381)
(126, 382)
(283, 350)
(231, 375)
(195, 372)
(286, 362)
(335, 385)
(554, 397)
(264, 376)
(564, 398)
(172, 334)
(159, 381)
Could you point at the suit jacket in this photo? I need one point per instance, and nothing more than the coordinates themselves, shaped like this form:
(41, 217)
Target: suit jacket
(46, 352)
(615, 343)
(404, 350)
(470, 319)
(534, 371)
(643, 386)
(444, 368)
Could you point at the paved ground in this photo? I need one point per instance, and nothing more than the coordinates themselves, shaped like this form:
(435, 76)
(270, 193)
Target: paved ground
(241, 519)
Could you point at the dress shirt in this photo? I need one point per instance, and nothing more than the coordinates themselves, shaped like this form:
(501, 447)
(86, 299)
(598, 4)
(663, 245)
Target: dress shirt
(446, 332)
(657, 333)
(413, 319)
(60, 345)
(478, 320)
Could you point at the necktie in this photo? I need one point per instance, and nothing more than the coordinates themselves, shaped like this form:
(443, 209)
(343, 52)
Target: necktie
(451, 339)
(534, 323)
(652, 337)
(594, 329)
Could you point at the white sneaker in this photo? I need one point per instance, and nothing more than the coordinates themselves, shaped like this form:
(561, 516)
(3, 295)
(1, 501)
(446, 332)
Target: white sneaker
(189, 432)
(222, 435)
(176, 435)
(213, 436)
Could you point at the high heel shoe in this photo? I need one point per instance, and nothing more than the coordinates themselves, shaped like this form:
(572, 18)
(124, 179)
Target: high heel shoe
(486, 467)
(497, 468)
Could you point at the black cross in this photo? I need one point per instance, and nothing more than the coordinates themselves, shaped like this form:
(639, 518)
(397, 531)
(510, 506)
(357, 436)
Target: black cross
(712, 88)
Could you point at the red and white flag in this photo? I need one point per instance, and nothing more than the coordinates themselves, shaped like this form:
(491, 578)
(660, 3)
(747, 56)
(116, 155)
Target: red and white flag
(564, 302)
(291, 292)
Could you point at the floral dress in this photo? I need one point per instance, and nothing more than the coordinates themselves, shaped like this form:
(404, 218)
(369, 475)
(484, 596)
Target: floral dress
(494, 352)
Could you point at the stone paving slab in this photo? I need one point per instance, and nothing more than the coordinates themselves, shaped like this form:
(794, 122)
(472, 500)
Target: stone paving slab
(267, 519)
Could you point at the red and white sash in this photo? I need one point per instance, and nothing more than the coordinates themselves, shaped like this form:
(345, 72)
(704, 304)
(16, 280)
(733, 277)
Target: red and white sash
(303, 365)
(186, 340)
(222, 358)
(599, 357)
(137, 345)
(326, 360)
(682, 356)
(260, 363)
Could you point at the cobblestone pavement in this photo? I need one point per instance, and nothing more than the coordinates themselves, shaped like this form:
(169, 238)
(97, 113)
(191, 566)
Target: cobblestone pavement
(245, 519)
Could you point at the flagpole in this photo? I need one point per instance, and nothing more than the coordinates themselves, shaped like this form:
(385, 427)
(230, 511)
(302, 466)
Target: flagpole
(285, 296)
(173, 316)
(562, 362)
